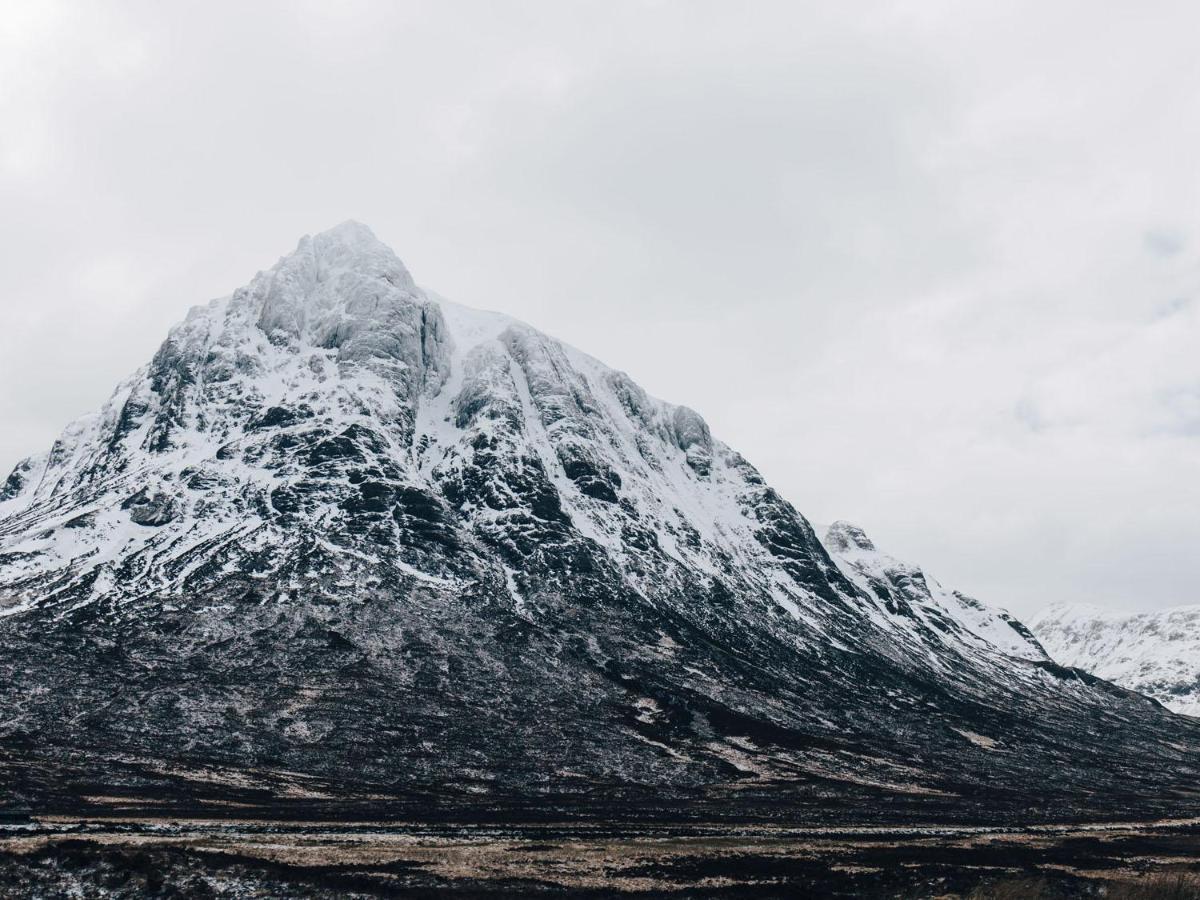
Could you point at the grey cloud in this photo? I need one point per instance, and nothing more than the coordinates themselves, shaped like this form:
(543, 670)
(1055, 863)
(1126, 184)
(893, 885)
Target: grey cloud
(1164, 242)
(1027, 413)
(1173, 306)
(1183, 404)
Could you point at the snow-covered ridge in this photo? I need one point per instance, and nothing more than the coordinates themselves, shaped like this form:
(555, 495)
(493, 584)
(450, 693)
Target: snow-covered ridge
(1156, 653)
(907, 598)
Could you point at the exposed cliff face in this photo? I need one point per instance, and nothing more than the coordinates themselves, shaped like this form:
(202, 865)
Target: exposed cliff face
(1155, 653)
(341, 530)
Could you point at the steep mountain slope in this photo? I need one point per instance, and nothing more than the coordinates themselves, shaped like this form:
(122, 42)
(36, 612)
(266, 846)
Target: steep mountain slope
(1154, 653)
(341, 541)
(907, 599)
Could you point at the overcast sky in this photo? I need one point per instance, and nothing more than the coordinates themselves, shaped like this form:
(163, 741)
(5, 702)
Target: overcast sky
(932, 269)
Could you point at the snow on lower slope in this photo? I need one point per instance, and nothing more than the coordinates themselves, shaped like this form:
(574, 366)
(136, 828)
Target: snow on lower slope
(1155, 653)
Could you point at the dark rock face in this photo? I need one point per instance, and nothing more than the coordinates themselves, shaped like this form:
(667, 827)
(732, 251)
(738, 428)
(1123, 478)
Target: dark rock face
(17, 481)
(146, 508)
(395, 548)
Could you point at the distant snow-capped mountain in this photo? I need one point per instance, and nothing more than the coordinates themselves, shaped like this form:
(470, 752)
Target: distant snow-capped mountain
(341, 538)
(1155, 653)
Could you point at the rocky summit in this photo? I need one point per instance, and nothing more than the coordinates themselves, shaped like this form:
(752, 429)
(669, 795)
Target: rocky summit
(343, 544)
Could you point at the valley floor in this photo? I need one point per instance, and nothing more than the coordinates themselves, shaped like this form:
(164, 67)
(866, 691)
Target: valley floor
(65, 856)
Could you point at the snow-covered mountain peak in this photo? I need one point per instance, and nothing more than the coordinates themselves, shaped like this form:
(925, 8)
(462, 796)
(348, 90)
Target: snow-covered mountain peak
(296, 411)
(352, 244)
(349, 249)
(339, 526)
(336, 287)
(302, 404)
(844, 537)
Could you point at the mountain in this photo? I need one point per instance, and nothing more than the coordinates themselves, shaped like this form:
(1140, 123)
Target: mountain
(908, 599)
(343, 544)
(1154, 653)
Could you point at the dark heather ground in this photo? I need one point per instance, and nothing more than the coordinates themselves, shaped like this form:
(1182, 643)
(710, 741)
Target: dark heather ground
(62, 856)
